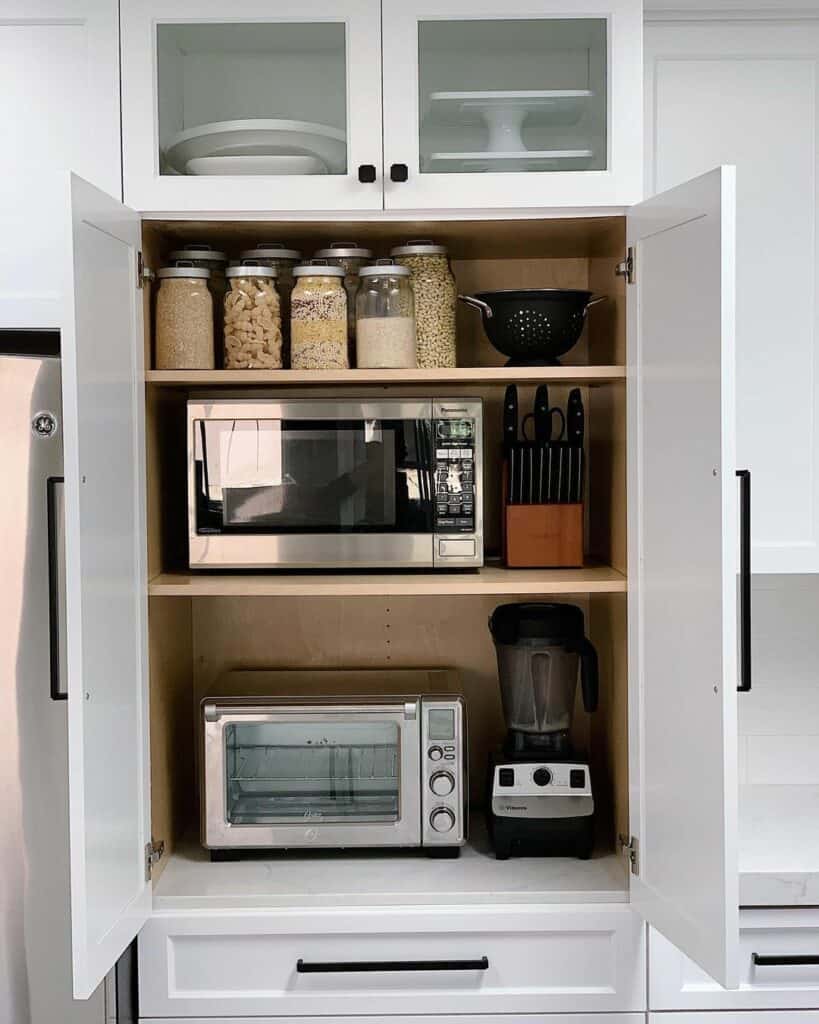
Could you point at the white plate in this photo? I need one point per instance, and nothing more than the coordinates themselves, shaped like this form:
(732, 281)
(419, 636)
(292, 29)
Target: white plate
(282, 165)
(520, 160)
(260, 136)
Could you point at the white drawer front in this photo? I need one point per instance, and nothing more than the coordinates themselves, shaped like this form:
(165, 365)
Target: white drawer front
(540, 959)
(747, 1017)
(557, 1018)
(675, 983)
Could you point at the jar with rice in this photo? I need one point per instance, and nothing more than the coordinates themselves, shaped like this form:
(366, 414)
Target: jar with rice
(385, 329)
(435, 301)
(200, 254)
(350, 257)
(184, 319)
(318, 318)
(252, 324)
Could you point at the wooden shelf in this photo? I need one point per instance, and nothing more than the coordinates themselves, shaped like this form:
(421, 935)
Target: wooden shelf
(589, 375)
(490, 580)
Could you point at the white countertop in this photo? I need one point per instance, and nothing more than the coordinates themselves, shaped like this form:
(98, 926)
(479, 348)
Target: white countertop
(778, 846)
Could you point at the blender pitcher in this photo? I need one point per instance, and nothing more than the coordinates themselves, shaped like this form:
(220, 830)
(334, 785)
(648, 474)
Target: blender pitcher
(540, 649)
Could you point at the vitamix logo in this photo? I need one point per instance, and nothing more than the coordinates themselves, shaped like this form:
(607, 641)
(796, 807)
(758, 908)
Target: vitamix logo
(514, 807)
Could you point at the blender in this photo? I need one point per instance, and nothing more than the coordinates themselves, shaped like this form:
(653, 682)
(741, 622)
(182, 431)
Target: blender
(540, 797)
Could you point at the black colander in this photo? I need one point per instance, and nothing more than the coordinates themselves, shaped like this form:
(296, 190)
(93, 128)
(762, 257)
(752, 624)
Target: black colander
(533, 326)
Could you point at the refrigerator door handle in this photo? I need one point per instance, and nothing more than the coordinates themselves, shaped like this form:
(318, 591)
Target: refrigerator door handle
(56, 585)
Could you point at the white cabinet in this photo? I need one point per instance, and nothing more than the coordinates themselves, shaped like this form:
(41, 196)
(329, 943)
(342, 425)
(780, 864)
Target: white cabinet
(481, 106)
(59, 102)
(779, 967)
(473, 1018)
(744, 92)
(757, 1017)
(521, 105)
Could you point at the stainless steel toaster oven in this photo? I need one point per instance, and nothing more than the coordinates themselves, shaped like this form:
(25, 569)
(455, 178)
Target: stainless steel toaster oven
(325, 484)
(280, 773)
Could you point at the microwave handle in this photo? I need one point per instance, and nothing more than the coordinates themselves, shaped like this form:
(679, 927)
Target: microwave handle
(360, 966)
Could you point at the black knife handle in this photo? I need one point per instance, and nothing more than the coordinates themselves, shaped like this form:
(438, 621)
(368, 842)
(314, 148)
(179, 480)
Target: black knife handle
(744, 476)
(542, 414)
(575, 418)
(510, 415)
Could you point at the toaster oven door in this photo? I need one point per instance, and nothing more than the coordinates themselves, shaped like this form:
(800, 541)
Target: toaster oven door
(307, 777)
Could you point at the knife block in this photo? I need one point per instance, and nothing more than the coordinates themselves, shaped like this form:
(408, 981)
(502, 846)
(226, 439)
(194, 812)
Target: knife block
(541, 536)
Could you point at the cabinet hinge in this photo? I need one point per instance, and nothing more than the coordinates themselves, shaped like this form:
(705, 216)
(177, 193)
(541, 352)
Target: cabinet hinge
(144, 274)
(631, 847)
(153, 852)
(627, 268)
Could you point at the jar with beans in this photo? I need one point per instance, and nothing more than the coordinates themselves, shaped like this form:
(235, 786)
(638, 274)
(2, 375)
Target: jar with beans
(253, 334)
(318, 318)
(282, 259)
(351, 258)
(435, 301)
(385, 330)
(184, 319)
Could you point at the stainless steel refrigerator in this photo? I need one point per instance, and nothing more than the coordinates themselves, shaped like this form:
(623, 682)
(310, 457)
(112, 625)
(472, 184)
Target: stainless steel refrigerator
(35, 936)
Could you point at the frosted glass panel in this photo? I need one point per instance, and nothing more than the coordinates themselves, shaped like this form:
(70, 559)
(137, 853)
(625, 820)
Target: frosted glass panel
(513, 95)
(252, 99)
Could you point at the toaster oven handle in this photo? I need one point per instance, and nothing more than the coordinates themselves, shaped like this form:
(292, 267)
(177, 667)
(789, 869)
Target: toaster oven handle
(360, 966)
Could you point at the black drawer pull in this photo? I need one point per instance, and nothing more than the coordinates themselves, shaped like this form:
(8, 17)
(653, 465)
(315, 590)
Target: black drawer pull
(784, 961)
(399, 172)
(357, 966)
(366, 174)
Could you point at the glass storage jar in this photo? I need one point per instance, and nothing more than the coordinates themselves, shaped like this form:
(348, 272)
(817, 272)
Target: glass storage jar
(351, 258)
(200, 254)
(385, 315)
(184, 319)
(318, 318)
(253, 327)
(280, 258)
(435, 301)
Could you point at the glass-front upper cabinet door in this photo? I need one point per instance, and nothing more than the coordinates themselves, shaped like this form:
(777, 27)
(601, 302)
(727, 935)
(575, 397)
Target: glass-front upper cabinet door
(488, 105)
(251, 106)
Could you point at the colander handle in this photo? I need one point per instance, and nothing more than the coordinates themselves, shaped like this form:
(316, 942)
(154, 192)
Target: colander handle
(484, 307)
(595, 300)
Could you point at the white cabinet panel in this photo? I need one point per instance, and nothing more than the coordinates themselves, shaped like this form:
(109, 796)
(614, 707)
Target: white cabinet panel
(539, 960)
(529, 104)
(756, 1017)
(675, 983)
(106, 586)
(506, 1018)
(59, 107)
(683, 564)
(746, 94)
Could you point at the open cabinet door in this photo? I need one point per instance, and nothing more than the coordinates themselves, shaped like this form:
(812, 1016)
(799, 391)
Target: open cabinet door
(683, 534)
(106, 589)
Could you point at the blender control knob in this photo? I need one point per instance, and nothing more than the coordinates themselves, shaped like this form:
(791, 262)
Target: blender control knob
(542, 777)
(442, 783)
(442, 819)
(435, 753)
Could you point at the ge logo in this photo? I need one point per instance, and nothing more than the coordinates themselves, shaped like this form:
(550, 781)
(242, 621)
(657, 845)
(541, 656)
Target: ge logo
(311, 834)
(44, 424)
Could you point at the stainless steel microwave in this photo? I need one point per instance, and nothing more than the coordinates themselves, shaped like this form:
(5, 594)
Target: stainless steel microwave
(282, 773)
(324, 484)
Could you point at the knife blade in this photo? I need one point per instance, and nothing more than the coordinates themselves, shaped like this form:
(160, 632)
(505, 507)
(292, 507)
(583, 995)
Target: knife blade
(542, 414)
(579, 488)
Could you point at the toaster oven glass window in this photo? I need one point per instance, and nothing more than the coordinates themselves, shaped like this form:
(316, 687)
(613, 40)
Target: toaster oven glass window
(319, 476)
(280, 772)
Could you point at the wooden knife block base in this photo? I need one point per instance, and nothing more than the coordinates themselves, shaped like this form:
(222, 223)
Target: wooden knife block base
(543, 536)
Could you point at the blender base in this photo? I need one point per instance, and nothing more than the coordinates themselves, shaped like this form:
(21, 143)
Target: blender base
(542, 837)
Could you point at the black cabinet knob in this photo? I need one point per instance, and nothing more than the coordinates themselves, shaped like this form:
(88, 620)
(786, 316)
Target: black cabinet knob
(399, 172)
(366, 173)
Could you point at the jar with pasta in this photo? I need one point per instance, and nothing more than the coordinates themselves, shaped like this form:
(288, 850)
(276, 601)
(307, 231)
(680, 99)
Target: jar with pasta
(253, 331)
(184, 319)
(435, 301)
(282, 259)
(385, 332)
(351, 258)
(318, 318)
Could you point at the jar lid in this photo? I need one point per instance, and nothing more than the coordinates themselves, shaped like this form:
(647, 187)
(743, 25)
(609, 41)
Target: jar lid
(248, 268)
(198, 251)
(345, 249)
(419, 247)
(271, 251)
(384, 268)
(318, 268)
(183, 268)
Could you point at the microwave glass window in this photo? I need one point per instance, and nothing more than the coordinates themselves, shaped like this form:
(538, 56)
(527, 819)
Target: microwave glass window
(319, 476)
(441, 724)
(281, 772)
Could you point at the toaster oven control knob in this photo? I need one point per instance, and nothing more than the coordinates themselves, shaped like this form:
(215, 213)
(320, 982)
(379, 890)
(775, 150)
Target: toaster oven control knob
(442, 783)
(442, 819)
(435, 753)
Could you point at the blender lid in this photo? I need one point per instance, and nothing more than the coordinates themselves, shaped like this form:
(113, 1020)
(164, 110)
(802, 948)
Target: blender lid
(532, 621)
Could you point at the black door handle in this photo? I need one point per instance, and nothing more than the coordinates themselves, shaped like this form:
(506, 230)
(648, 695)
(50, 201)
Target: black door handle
(784, 961)
(744, 476)
(366, 173)
(56, 586)
(356, 966)
(399, 172)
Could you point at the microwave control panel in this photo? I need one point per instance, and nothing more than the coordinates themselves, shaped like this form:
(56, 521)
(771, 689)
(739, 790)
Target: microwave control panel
(454, 474)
